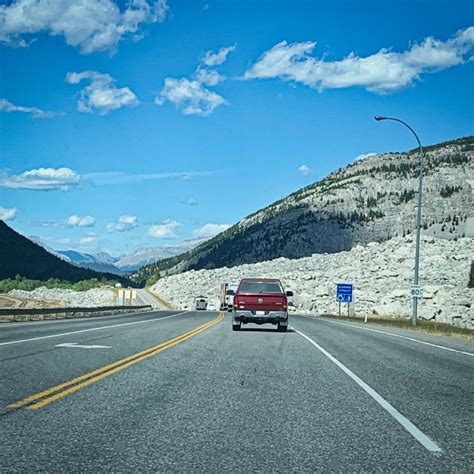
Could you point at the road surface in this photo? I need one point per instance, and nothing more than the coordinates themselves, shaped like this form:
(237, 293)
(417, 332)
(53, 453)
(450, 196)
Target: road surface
(147, 297)
(180, 391)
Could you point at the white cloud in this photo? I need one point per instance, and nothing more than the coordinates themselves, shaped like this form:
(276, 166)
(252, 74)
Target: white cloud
(304, 170)
(120, 177)
(190, 202)
(210, 230)
(208, 77)
(166, 230)
(7, 214)
(101, 95)
(88, 241)
(91, 25)
(78, 221)
(189, 96)
(7, 106)
(382, 72)
(215, 59)
(41, 179)
(123, 224)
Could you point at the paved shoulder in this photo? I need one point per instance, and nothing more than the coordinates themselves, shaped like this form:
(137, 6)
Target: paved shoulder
(431, 386)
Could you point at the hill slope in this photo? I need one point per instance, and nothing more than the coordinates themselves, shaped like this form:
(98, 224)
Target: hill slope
(21, 256)
(372, 199)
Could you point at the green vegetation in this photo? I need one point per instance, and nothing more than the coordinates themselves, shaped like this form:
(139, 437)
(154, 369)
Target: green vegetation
(371, 202)
(463, 144)
(153, 279)
(449, 190)
(406, 196)
(21, 283)
(21, 256)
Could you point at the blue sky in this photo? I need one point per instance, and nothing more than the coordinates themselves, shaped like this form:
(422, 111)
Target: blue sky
(146, 123)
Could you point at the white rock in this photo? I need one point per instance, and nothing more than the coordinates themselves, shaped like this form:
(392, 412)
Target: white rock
(381, 281)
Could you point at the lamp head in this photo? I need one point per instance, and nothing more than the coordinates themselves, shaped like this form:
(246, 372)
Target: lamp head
(379, 117)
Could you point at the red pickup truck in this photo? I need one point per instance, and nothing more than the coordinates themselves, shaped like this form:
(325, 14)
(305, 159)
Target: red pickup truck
(260, 301)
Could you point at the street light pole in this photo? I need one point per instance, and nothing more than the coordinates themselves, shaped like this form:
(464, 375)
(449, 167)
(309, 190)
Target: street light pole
(418, 215)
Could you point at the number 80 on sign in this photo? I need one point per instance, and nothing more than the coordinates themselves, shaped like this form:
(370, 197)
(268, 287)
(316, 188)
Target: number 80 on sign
(415, 291)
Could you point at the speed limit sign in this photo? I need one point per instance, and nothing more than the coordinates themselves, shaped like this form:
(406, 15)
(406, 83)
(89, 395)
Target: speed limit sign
(415, 291)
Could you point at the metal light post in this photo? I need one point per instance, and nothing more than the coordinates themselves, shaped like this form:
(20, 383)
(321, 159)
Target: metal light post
(418, 215)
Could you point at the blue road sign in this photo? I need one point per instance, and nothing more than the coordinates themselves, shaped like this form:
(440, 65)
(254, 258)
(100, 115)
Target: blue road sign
(344, 292)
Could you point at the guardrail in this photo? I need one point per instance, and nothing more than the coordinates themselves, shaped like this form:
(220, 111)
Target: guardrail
(40, 314)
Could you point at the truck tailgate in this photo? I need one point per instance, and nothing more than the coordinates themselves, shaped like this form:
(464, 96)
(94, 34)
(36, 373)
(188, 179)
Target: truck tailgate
(261, 302)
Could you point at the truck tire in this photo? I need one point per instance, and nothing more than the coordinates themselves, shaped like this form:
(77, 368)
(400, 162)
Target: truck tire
(236, 327)
(281, 328)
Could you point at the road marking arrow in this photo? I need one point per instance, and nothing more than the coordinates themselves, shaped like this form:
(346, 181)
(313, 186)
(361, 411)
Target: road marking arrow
(79, 346)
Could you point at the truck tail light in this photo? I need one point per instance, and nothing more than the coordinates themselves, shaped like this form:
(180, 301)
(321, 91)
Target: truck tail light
(285, 302)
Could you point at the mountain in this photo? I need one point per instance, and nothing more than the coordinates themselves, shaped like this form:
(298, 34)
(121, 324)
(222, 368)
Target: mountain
(101, 262)
(21, 256)
(104, 262)
(147, 255)
(370, 200)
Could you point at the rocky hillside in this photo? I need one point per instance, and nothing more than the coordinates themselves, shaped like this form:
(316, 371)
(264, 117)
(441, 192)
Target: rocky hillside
(371, 200)
(381, 273)
(21, 256)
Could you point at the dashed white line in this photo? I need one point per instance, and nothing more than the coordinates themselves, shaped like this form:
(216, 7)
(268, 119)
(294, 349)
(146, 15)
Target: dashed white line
(88, 330)
(401, 337)
(421, 437)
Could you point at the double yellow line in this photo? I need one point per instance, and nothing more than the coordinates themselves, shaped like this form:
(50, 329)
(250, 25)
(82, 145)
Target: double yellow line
(52, 394)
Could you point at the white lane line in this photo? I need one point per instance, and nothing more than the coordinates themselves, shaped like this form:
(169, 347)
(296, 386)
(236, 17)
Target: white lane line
(88, 330)
(75, 345)
(423, 439)
(401, 337)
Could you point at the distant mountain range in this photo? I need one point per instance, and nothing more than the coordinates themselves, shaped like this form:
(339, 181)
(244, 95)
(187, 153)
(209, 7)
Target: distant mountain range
(101, 262)
(104, 262)
(372, 199)
(147, 255)
(22, 256)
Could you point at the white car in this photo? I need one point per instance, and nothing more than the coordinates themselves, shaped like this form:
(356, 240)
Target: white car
(211, 307)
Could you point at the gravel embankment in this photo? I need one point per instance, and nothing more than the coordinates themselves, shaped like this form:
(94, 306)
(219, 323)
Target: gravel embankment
(90, 298)
(381, 272)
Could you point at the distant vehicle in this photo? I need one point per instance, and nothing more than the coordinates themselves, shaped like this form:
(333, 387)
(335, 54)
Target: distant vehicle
(229, 295)
(222, 295)
(260, 301)
(201, 303)
(211, 307)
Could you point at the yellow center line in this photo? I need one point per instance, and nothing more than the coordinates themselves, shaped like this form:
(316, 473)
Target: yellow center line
(45, 397)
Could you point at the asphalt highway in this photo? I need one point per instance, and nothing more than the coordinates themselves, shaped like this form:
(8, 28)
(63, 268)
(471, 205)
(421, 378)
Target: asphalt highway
(173, 391)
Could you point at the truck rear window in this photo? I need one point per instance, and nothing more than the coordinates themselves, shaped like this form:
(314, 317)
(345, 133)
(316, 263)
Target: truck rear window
(260, 287)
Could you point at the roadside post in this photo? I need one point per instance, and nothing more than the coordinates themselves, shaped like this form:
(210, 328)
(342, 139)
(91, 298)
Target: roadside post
(344, 293)
(421, 153)
(120, 297)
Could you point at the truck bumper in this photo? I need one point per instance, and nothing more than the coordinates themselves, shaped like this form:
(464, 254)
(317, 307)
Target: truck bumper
(268, 317)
